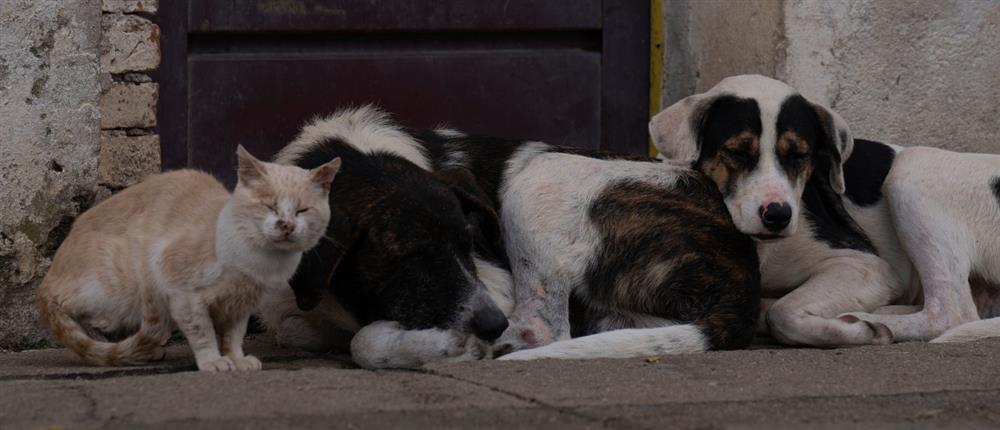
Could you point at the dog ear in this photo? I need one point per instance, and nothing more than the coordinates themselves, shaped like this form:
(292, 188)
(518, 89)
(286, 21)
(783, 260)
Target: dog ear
(838, 143)
(478, 210)
(318, 265)
(675, 131)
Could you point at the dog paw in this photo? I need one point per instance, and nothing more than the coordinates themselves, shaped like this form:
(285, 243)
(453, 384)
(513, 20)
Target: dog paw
(246, 362)
(513, 340)
(467, 348)
(221, 364)
(879, 333)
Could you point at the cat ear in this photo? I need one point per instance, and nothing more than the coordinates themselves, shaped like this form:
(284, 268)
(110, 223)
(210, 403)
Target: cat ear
(323, 175)
(249, 169)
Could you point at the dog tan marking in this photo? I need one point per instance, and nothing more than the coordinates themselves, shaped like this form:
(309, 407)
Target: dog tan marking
(794, 151)
(734, 159)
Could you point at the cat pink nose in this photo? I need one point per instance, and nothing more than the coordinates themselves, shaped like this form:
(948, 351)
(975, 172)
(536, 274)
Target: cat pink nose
(286, 227)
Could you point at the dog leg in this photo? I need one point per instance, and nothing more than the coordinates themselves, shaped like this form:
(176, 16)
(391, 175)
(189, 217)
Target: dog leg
(939, 246)
(386, 344)
(897, 310)
(808, 315)
(540, 317)
(326, 328)
(765, 307)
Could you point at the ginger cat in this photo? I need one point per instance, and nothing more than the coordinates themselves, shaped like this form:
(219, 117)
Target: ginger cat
(178, 250)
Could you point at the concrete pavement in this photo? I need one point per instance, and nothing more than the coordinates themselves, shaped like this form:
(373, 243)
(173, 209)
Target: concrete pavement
(899, 386)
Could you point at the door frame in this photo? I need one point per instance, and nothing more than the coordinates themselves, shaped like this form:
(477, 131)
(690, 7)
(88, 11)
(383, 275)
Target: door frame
(625, 71)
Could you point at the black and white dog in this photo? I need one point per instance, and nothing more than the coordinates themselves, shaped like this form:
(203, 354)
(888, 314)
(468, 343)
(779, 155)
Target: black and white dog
(860, 242)
(396, 270)
(630, 257)
(606, 242)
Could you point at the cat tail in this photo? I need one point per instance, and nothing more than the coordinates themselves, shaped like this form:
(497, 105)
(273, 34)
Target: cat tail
(143, 346)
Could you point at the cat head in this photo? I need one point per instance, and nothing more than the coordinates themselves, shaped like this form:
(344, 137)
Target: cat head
(281, 207)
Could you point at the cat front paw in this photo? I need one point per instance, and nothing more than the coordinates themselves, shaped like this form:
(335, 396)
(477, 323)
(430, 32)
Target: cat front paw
(221, 364)
(247, 362)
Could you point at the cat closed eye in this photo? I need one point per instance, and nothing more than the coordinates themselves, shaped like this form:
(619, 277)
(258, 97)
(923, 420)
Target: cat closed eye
(272, 208)
(300, 211)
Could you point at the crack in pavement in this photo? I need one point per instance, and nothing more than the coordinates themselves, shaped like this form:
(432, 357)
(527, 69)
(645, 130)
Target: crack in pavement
(603, 421)
(91, 376)
(816, 397)
(126, 372)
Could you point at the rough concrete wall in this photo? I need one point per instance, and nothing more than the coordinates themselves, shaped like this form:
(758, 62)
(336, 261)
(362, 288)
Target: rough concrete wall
(49, 143)
(77, 114)
(910, 72)
(707, 40)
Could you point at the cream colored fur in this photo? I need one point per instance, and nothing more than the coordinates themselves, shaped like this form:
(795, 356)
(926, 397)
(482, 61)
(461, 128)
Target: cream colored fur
(178, 250)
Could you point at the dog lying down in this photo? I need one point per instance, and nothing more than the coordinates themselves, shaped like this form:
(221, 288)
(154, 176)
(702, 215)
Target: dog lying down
(860, 242)
(396, 270)
(630, 257)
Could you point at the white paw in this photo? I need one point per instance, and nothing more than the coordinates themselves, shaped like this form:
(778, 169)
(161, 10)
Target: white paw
(247, 362)
(221, 364)
(874, 332)
(467, 348)
(516, 338)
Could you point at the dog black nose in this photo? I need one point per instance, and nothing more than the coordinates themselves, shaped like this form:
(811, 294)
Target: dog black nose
(488, 323)
(776, 216)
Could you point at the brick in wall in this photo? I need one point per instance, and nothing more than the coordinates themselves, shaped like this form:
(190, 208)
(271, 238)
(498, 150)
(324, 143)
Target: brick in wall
(127, 160)
(131, 43)
(126, 105)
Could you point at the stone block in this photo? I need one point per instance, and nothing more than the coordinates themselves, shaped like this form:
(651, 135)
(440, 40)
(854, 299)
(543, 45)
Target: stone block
(126, 105)
(130, 44)
(127, 160)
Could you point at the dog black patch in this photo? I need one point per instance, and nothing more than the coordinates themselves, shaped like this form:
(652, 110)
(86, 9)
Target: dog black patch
(865, 171)
(483, 161)
(799, 117)
(828, 219)
(602, 155)
(397, 247)
(995, 184)
(823, 208)
(725, 118)
(735, 121)
(486, 156)
(672, 253)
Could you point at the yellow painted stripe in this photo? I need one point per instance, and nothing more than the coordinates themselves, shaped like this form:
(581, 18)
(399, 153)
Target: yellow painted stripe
(655, 61)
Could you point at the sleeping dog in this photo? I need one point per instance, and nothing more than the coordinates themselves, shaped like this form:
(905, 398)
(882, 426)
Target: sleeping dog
(628, 256)
(608, 243)
(396, 270)
(860, 242)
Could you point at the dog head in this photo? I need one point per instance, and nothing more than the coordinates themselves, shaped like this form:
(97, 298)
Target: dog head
(760, 141)
(399, 247)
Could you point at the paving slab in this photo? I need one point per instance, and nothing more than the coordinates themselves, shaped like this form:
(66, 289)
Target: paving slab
(900, 386)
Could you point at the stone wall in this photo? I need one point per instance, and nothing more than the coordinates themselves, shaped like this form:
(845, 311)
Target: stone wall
(910, 72)
(77, 112)
(130, 48)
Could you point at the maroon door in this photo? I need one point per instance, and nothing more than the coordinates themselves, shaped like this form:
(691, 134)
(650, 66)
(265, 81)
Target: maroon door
(570, 72)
